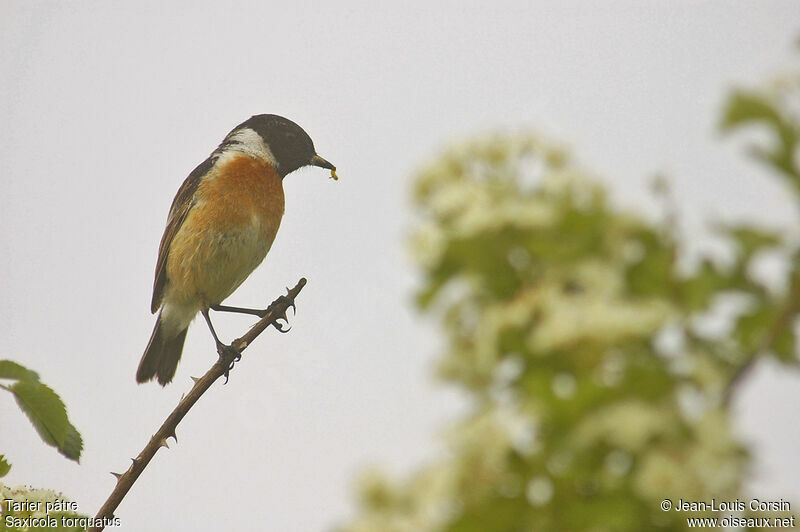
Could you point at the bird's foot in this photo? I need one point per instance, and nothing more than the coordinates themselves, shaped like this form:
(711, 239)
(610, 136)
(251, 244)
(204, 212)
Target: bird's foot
(284, 303)
(230, 356)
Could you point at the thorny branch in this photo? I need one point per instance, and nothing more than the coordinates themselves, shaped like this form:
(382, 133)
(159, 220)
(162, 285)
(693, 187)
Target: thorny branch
(276, 311)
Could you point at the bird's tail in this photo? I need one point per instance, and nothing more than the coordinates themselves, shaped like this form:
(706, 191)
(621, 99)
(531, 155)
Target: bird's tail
(163, 352)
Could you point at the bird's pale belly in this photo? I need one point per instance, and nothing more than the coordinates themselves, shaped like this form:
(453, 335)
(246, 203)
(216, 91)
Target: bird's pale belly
(206, 266)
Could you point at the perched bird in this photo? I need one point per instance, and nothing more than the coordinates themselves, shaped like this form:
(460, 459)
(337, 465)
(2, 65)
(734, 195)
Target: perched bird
(220, 227)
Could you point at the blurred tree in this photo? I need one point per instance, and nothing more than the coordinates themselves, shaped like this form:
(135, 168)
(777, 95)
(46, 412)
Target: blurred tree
(578, 332)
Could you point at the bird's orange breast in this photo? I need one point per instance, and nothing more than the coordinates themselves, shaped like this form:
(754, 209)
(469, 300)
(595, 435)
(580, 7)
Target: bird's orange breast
(243, 187)
(236, 214)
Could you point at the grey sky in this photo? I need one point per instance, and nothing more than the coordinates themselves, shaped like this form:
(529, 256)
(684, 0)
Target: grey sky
(105, 108)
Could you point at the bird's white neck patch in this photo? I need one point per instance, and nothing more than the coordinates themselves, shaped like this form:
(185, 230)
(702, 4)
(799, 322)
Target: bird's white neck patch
(248, 141)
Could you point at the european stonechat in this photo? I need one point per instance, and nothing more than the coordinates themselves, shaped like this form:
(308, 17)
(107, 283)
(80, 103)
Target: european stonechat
(220, 227)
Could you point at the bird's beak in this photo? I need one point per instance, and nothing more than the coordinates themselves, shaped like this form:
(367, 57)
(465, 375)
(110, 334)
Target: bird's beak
(316, 160)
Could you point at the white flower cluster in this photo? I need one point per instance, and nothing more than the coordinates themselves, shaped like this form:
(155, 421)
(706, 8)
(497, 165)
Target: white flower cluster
(472, 189)
(712, 465)
(26, 494)
(600, 313)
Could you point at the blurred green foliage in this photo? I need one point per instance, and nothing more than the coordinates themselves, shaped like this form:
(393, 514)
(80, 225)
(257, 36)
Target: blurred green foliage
(577, 331)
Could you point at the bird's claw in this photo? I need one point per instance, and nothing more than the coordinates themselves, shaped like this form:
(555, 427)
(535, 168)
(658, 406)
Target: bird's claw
(230, 355)
(286, 303)
(281, 328)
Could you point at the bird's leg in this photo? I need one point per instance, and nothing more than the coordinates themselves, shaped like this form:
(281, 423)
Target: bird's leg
(260, 313)
(226, 352)
(239, 310)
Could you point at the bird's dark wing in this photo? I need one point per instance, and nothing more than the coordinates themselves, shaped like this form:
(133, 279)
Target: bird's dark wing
(181, 205)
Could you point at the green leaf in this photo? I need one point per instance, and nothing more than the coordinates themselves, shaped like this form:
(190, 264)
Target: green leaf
(73, 444)
(493, 513)
(751, 240)
(784, 345)
(49, 417)
(705, 283)
(747, 108)
(12, 370)
(5, 467)
(652, 274)
(751, 328)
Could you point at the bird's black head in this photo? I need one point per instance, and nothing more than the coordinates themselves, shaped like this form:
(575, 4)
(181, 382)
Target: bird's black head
(290, 146)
